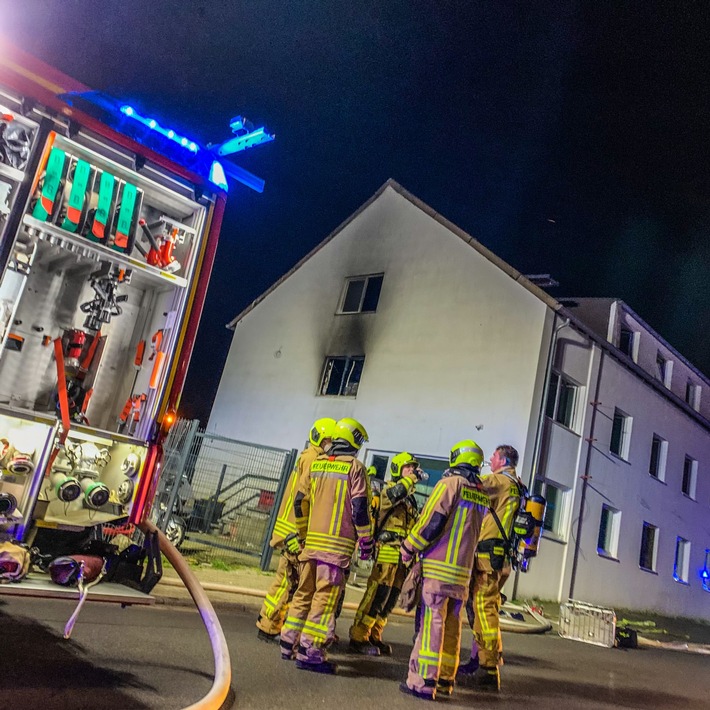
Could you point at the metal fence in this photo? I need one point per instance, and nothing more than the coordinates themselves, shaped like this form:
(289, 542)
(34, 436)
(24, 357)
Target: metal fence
(217, 497)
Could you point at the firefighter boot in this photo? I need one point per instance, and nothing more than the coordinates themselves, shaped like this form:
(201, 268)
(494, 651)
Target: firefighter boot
(444, 688)
(422, 695)
(327, 667)
(384, 648)
(364, 648)
(487, 678)
(269, 638)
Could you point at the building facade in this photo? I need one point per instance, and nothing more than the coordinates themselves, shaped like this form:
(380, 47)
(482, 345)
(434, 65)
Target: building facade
(405, 322)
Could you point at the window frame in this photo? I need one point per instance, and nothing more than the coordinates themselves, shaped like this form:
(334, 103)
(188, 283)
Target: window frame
(614, 528)
(366, 279)
(692, 394)
(682, 546)
(557, 531)
(348, 360)
(660, 473)
(705, 572)
(664, 367)
(633, 342)
(625, 437)
(693, 477)
(654, 551)
(552, 411)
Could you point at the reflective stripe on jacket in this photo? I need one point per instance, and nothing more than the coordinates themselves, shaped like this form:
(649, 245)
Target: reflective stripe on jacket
(447, 531)
(286, 523)
(339, 509)
(397, 516)
(502, 488)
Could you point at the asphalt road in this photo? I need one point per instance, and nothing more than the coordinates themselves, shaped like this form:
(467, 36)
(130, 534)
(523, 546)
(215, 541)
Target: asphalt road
(159, 658)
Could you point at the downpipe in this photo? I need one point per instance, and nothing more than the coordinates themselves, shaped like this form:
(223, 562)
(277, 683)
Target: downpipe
(221, 686)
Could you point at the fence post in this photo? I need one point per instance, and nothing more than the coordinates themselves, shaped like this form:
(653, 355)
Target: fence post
(179, 469)
(266, 550)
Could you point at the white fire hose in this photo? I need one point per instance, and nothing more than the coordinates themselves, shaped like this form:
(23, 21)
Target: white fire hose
(222, 665)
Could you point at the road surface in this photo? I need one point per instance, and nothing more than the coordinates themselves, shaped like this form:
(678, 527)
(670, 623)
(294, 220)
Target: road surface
(159, 659)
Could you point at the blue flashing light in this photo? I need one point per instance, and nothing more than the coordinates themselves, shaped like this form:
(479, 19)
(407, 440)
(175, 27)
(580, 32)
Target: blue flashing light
(155, 126)
(217, 175)
(242, 142)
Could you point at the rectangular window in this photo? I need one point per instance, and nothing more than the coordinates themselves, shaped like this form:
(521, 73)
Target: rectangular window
(620, 434)
(681, 567)
(555, 495)
(561, 400)
(649, 543)
(692, 395)
(361, 294)
(665, 367)
(705, 572)
(657, 464)
(627, 342)
(690, 476)
(341, 376)
(608, 540)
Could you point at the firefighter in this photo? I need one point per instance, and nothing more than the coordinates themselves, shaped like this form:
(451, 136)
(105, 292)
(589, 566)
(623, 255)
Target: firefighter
(288, 538)
(396, 516)
(339, 521)
(493, 565)
(445, 537)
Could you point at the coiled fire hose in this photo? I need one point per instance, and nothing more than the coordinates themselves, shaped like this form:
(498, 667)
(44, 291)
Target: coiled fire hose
(222, 665)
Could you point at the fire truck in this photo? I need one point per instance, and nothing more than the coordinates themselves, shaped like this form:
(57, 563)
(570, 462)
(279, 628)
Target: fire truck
(109, 222)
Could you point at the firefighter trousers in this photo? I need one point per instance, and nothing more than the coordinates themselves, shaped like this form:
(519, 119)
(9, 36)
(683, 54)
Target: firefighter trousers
(487, 585)
(383, 588)
(275, 606)
(435, 656)
(310, 624)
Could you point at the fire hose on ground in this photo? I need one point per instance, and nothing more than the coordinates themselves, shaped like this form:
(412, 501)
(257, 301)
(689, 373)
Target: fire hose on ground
(508, 622)
(222, 665)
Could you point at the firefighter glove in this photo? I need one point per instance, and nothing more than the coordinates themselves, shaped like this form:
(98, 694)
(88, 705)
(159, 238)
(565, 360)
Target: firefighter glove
(366, 545)
(407, 554)
(293, 544)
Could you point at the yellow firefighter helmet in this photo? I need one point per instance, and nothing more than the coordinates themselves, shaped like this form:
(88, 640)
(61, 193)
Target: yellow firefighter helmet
(399, 461)
(352, 431)
(466, 451)
(321, 429)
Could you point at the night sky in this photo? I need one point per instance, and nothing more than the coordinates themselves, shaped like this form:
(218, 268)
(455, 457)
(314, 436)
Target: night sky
(570, 138)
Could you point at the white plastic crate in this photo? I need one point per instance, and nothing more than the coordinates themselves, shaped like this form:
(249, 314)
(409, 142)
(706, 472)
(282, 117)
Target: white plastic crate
(588, 623)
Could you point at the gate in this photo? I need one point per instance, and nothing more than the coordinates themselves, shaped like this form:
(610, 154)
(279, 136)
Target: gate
(217, 497)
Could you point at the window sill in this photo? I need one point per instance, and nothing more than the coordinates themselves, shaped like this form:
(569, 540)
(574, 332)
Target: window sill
(650, 571)
(562, 426)
(681, 581)
(553, 537)
(337, 396)
(354, 313)
(607, 556)
(619, 458)
(689, 497)
(656, 478)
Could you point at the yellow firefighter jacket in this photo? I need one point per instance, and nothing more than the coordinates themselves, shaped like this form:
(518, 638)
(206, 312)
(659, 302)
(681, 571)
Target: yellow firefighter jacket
(397, 514)
(447, 530)
(286, 523)
(339, 509)
(503, 490)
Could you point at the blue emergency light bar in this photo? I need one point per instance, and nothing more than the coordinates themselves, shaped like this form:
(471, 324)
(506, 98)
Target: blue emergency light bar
(200, 159)
(154, 125)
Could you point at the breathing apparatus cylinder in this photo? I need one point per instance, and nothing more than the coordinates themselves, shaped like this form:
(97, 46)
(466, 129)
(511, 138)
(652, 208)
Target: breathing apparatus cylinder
(529, 541)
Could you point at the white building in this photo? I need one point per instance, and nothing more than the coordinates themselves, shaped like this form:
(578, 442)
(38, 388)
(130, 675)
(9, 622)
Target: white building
(405, 322)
